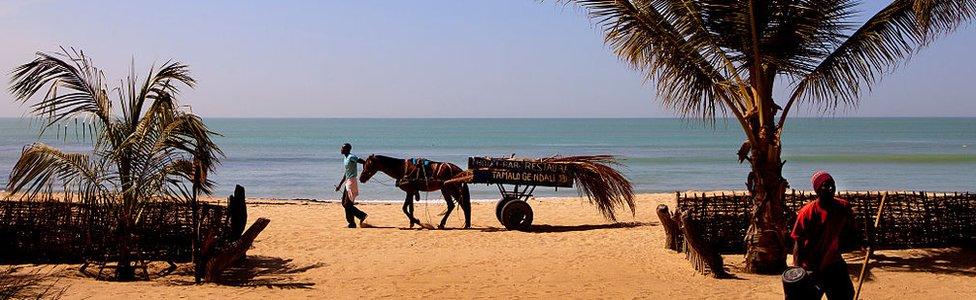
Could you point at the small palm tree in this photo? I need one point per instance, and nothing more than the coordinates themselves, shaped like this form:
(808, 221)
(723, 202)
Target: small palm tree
(726, 55)
(144, 151)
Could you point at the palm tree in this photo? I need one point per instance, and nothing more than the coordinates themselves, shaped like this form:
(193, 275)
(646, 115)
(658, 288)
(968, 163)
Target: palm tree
(725, 55)
(142, 152)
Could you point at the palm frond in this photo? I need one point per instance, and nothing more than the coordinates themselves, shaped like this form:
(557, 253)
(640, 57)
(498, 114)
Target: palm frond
(888, 38)
(86, 94)
(159, 86)
(799, 34)
(165, 140)
(41, 166)
(599, 182)
(189, 133)
(655, 38)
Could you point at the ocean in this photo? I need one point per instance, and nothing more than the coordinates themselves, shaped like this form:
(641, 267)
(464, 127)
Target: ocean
(299, 158)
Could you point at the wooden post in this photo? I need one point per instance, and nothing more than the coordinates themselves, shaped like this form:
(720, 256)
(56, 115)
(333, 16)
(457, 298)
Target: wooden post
(237, 209)
(867, 255)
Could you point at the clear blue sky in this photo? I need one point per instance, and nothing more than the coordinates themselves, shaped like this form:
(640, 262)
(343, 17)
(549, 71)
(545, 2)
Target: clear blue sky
(447, 58)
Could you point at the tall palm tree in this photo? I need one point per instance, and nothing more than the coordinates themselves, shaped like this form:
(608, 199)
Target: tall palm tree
(726, 55)
(144, 151)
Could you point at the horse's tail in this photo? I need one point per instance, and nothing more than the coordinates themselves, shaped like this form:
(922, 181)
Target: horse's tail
(463, 177)
(464, 201)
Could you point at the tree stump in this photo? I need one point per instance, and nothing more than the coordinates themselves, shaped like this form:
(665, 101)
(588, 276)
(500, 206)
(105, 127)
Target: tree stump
(232, 253)
(671, 230)
(237, 208)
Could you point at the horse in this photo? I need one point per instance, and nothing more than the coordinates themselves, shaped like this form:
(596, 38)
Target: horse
(425, 176)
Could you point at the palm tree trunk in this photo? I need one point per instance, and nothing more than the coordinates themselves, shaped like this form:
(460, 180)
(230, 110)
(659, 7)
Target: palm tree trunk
(766, 236)
(125, 270)
(198, 261)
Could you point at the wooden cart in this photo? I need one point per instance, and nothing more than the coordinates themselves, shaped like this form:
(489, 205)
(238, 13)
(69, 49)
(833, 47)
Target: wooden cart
(516, 180)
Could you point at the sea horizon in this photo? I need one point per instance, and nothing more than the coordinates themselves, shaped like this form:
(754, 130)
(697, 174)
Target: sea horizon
(291, 158)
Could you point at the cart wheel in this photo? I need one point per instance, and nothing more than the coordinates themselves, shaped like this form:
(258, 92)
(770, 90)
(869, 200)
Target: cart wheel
(500, 205)
(517, 215)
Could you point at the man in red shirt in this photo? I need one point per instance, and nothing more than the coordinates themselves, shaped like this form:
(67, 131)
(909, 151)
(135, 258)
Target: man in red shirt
(817, 237)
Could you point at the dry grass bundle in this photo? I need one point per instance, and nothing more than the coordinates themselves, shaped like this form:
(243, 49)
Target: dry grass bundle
(596, 179)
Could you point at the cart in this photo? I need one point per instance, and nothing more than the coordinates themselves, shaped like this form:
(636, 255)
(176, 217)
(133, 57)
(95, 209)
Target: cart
(516, 180)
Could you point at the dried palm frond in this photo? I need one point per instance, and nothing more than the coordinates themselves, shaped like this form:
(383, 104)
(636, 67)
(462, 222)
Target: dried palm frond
(596, 179)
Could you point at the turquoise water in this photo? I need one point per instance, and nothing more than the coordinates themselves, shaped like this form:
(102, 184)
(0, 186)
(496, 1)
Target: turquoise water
(298, 158)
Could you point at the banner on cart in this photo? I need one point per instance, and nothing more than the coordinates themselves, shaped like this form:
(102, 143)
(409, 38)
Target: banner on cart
(508, 171)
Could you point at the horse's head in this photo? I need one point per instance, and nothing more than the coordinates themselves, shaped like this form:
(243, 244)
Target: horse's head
(369, 168)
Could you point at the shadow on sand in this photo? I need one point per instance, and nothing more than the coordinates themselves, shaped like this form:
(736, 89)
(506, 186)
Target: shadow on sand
(263, 271)
(371, 226)
(16, 283)
(949, 261)
(544, 228)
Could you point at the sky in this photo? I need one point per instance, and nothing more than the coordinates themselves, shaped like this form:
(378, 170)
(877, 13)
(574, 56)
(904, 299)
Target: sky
(423, 58)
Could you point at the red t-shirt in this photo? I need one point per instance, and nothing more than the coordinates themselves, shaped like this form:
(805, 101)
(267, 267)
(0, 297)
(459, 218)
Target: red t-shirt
(818, 230)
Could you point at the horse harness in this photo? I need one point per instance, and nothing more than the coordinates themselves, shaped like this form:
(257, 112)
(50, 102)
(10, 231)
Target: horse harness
(421, 173)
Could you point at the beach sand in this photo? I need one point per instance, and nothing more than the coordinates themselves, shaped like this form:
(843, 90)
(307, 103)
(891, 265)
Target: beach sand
(306, 252)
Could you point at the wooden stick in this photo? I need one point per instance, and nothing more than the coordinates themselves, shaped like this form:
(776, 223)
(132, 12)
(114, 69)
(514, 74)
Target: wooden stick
(864, 265)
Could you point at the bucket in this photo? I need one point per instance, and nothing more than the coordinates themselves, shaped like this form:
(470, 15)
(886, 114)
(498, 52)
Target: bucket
(799, 284)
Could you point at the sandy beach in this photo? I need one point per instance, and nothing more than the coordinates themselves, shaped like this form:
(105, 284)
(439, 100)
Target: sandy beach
(307, 252)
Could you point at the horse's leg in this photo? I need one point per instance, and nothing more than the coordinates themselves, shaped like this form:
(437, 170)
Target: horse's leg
(408, 208)
(416, 198)
(450, 207)
(464, 200)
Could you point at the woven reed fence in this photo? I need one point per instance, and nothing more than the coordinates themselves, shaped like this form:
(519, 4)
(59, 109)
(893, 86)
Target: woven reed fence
(909, 220)
(65, 232)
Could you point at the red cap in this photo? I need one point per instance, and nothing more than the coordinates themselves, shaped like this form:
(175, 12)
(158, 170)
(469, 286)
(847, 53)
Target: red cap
(818, 179)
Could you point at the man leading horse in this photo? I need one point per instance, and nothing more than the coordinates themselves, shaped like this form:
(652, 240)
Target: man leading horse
(348, 182)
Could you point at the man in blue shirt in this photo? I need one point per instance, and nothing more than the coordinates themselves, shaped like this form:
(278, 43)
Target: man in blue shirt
(351, 185)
